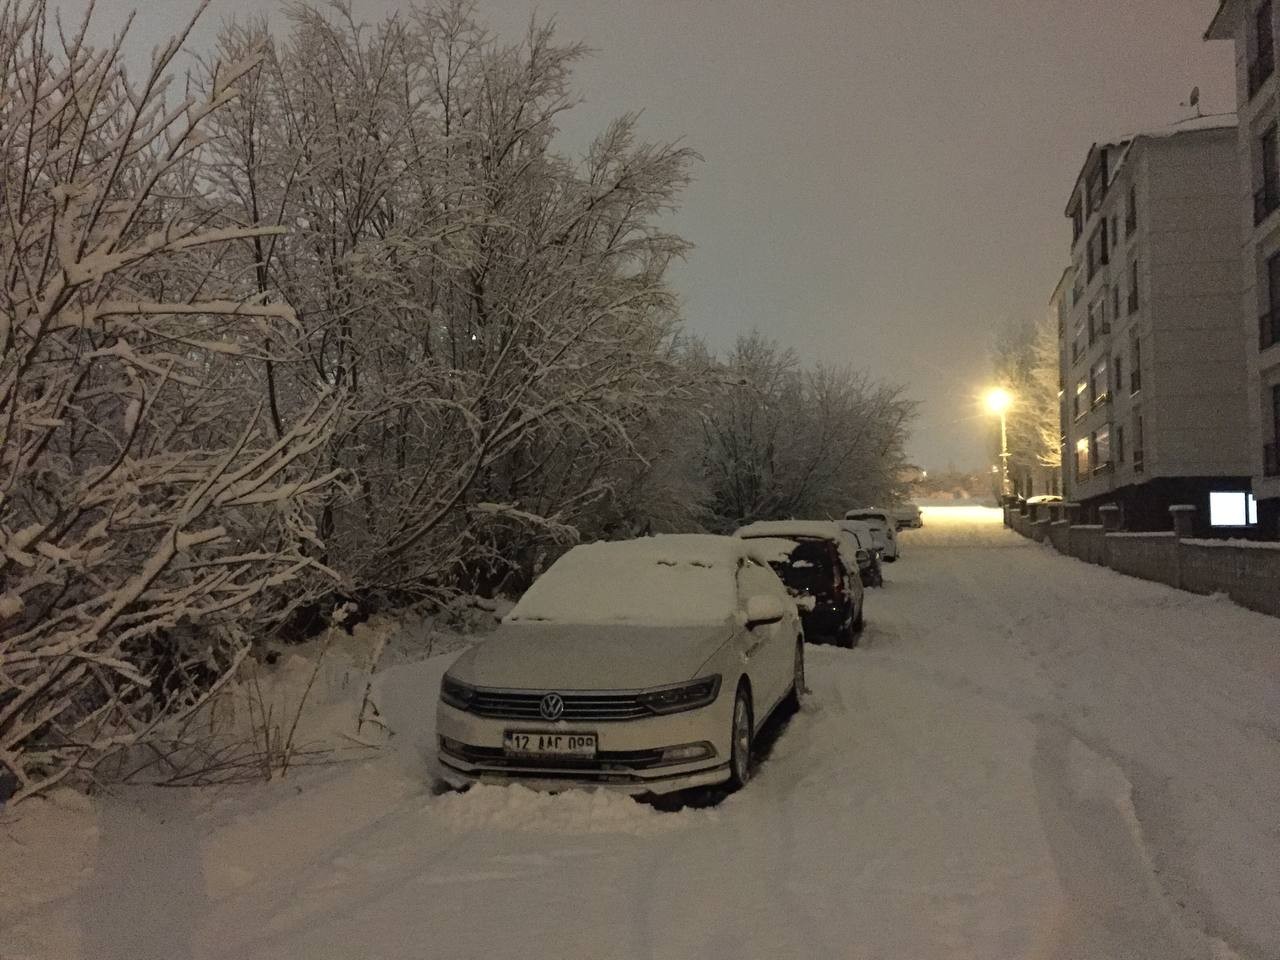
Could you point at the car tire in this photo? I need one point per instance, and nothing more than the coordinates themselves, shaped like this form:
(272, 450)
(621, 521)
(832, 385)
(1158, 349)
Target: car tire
(741, 735)
(798, 689)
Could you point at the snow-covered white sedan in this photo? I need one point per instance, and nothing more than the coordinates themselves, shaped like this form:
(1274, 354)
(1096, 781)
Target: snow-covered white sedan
(642, 665)
(883, 527)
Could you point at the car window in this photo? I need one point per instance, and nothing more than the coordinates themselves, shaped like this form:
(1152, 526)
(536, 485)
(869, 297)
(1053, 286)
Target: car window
(810, 569)
(754, 579)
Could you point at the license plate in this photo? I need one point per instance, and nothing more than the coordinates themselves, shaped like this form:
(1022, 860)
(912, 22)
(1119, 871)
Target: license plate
(531, 743)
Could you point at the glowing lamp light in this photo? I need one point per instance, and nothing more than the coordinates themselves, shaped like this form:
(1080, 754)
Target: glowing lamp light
(998, 400)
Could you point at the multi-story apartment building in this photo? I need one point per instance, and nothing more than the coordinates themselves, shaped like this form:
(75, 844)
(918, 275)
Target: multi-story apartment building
(1153, 399)
(1252, 24)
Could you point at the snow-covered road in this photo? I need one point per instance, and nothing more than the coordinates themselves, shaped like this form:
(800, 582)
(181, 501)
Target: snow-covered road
(1028, 757)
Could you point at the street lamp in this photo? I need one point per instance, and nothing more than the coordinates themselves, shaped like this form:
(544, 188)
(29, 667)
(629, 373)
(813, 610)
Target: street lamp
(998, 401)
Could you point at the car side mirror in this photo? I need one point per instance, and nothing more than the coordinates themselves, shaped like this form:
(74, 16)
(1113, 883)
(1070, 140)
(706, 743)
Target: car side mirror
(764, 609)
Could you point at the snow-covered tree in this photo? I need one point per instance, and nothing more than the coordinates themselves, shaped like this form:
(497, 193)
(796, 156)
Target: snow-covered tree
(782, 441)
(148, 516)
(1025, 362)
(496, 313)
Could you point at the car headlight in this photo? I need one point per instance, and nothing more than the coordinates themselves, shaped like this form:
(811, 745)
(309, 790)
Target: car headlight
(455, 693)
(687, 696)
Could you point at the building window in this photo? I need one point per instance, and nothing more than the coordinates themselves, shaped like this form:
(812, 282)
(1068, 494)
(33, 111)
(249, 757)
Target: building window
(1232, 508)
(1098, 325)
(1077, 225)
(1131, 211)
(1119, 444)
(1080, 340)
(1081, 405)
(1098, 382)
(1117, 374)
(1097, 254)
(1267, 197)
(1133, 287)
(1082, 458)
(1100, 444)
(1263, 63)
(1096, 184)
(1115, 301)
(1135, 363)
(1271, 451)
(1269, 320)
(1137, 443)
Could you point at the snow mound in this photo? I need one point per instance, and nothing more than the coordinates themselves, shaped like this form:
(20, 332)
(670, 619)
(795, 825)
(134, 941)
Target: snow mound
(517, 808)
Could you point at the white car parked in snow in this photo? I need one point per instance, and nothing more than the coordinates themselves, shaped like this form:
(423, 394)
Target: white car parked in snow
(642, 665)
(908, 515)
(883, 528)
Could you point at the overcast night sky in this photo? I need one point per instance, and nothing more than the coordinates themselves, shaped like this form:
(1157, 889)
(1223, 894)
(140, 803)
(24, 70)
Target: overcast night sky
(883, 180)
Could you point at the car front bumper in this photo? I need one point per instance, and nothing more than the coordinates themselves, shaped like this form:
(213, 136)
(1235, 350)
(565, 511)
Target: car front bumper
(628, 759)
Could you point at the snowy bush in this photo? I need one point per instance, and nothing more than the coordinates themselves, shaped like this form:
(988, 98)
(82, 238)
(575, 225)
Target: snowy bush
(147, 515)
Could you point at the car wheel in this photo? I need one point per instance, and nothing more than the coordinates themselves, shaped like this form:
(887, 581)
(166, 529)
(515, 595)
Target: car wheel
(740, 736)
(797, 683)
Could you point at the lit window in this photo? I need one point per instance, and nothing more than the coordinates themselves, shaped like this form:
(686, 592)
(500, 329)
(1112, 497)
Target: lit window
(1082, 458)
(1232, 508)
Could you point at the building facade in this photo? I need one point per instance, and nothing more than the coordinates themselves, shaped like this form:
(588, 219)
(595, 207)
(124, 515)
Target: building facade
(1153, 402)
(1252, 25)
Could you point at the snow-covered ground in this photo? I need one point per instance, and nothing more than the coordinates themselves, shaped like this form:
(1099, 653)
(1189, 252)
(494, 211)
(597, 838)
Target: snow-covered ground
(1028, 757)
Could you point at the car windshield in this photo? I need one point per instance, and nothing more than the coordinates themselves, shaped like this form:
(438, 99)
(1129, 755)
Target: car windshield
(637, 583)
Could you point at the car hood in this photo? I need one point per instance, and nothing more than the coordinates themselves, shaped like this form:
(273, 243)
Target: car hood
(576, 657)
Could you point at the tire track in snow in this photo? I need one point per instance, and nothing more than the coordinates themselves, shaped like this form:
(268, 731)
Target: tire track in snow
(1034, 600)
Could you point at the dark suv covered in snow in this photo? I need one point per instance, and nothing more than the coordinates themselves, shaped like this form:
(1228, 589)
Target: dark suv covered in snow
(813, 563)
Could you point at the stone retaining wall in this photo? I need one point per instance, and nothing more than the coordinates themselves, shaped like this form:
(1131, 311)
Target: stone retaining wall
(1246, 571)
(1151, 556)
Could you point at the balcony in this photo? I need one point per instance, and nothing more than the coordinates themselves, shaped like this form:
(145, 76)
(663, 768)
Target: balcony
(1265, 200)
(1269, 328)
(1259, 71)
(1271, 460)
(1137, 459)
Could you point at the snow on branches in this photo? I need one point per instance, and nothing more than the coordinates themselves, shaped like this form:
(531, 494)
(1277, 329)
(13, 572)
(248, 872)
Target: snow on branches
(145, 513)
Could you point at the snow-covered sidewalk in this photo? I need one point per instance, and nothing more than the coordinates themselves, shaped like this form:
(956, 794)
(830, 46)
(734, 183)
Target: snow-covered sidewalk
(1028, 757)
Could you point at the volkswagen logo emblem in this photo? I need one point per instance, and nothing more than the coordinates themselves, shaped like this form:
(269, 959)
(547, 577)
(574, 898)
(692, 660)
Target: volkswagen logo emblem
(551, 706)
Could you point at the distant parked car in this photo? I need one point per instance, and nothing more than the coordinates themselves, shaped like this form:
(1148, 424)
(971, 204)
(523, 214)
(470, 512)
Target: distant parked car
(883, 527)
(908, 515)
(871, 572)
(818, 560)
(645, 666)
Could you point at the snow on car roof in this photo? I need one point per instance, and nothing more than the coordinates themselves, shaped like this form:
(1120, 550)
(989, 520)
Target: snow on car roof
(863, 512)
(772, 549)
(663, 581)
(824, 529)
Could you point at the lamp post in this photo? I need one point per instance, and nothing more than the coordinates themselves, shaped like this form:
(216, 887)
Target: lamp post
(999, 401)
